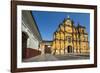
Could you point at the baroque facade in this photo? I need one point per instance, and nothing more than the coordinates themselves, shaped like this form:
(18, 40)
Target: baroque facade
(69, 38)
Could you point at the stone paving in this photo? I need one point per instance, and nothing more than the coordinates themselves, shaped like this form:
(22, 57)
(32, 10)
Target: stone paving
(50, 57)
(44, 57)
(71, 57)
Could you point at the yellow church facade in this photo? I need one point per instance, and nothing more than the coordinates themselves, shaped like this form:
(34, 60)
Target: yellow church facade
(69, 38)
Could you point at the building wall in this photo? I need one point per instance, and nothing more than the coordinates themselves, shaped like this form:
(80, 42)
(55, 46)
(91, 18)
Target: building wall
(43, 45)
(32, 41)
(30, 47)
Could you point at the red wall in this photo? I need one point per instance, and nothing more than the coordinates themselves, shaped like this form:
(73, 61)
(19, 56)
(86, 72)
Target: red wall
(31, 53)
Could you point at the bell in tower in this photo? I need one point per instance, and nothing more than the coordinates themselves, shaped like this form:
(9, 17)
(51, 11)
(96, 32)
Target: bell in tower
(68, 17)
(68, 21)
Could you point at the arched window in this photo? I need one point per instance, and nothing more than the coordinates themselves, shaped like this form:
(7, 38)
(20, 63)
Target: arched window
(83, 31)
(68, 39)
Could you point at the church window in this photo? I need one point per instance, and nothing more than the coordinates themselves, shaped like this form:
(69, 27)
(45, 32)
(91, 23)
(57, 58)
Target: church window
(82, 31)
(69, 39)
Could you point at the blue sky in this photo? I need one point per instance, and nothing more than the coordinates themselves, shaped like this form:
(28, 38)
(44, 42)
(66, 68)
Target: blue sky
(48, 22)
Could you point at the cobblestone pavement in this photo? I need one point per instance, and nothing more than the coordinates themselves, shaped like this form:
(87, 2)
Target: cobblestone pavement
(50, 57)
(44, 57)
(72, 57)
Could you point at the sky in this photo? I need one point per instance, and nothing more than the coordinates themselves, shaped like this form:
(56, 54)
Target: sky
(48, 22)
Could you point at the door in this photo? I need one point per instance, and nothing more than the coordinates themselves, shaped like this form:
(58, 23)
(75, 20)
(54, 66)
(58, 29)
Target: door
(24, 44)
(47, 49)
(69, 49)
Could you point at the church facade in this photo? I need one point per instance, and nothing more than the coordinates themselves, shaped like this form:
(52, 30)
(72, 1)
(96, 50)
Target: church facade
(69, 38)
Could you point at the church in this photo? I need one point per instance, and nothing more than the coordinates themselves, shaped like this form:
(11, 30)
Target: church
(69, 38)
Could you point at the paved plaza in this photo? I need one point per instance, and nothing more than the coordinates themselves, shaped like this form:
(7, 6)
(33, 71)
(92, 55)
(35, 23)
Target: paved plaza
(50, 57)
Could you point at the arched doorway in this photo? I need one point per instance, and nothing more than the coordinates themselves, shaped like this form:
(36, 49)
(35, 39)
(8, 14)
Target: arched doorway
(24, 44)
(69, 49)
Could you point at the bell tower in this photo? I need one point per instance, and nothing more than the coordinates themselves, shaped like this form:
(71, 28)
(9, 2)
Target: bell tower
(68, 21)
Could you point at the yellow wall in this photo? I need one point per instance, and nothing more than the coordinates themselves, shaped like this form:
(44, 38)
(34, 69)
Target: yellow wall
(60, 42)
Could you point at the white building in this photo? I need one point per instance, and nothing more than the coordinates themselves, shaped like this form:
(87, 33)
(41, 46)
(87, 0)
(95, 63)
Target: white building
(31, 37)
